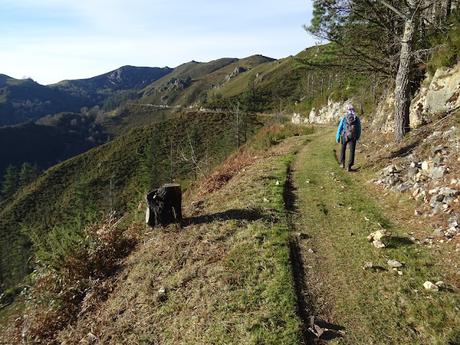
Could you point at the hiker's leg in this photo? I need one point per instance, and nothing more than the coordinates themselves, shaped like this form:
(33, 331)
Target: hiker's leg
(351, 159)
(343, 148)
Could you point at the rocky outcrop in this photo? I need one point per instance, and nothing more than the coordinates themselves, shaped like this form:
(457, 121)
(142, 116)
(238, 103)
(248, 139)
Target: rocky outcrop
(383, 119)
(330, 113)
(437, 95)
(177, 84)
(237, 71)
(440, 95)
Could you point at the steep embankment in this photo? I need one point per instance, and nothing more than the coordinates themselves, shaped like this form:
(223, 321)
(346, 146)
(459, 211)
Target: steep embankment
(111, 177)
(224, 277)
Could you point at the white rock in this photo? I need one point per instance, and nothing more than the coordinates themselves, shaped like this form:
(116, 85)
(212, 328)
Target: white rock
(378, 235)
(440, 284)
(438, 173)
(427, 166)
(430, 286)
(433, 191)
(368, 265)
(378, 244)
(394, 263)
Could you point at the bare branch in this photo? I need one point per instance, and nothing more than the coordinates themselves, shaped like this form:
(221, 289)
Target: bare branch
(394, 9)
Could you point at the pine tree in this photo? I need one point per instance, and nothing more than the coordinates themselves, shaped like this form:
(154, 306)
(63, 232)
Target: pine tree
(384, 37)
(27, 174)
(10, 181)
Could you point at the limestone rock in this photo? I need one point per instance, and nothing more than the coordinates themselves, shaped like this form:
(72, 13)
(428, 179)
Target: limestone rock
(394, 264)
(378, 235)
(437, 173)
(440, 96)
(378, 244)
(430, 286)
(440, 284)
(427, 166)
(329, 114)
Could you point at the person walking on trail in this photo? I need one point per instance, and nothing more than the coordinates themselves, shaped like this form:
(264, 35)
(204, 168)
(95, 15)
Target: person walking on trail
(348, 133)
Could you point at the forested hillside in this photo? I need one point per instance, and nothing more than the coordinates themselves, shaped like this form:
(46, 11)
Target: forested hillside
(113, 177)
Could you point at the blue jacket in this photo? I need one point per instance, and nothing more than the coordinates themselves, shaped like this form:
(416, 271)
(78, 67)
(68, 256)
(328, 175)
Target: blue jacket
(342, 124)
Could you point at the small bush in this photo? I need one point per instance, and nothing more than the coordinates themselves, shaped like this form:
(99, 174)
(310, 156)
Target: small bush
(65, 288)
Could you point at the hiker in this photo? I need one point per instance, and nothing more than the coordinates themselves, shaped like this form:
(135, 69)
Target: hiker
(348, 133)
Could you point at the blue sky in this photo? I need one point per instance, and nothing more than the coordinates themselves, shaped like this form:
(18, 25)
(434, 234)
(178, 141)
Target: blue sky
(52, 40)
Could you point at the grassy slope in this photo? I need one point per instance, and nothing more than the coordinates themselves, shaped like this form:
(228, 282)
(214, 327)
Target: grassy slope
(375, 307)
(302, 82)
(83, 184)
(227, 274)
(204, 77)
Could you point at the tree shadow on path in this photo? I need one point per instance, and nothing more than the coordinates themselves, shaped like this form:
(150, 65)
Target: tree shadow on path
(248, 215)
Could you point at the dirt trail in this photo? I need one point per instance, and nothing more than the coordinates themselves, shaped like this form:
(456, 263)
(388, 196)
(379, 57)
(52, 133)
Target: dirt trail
(330, 220)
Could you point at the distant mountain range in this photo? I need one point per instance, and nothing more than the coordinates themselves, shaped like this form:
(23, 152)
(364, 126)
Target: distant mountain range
(44, 125)
(23, 100)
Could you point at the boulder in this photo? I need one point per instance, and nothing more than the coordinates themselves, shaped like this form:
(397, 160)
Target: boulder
(403, 187)
(412, 172)
(448, 192)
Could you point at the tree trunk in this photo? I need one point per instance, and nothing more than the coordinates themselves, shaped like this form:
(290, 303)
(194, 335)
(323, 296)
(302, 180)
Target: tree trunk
(402, 92)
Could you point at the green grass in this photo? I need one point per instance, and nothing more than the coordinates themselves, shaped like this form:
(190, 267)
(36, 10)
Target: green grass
(297, 84)
(374, 307)
(228, 278)
(204, 76)
(115, 175)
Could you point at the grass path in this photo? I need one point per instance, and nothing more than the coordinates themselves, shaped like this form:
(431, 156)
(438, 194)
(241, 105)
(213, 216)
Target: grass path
(337, 211)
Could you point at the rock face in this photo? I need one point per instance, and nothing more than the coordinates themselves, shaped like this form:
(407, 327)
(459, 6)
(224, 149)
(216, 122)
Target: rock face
(237, 71)
(328, 114)
(383, 119)
(331, 113)
(440, 95)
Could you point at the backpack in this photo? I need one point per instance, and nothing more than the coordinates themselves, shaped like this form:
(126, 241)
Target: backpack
(351, 127)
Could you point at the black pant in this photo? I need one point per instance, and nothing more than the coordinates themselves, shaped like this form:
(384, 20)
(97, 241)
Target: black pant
(351, 159)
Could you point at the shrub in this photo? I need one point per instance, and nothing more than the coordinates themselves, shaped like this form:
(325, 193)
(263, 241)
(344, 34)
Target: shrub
(65, 281)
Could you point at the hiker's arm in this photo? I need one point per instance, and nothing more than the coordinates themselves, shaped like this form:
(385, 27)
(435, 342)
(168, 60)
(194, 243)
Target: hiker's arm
(339, 131)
